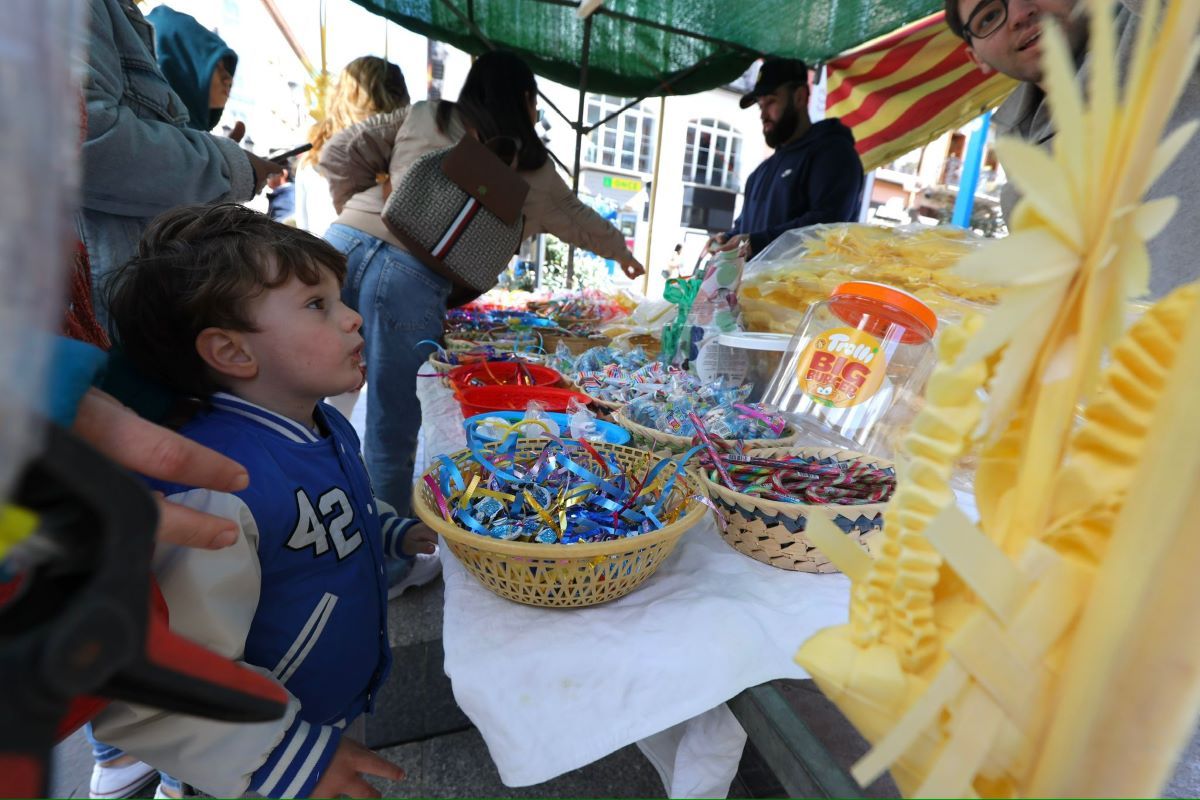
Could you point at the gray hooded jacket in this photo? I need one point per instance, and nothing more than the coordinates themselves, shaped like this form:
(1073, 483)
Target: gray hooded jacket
(139, 157)
(1175, 252)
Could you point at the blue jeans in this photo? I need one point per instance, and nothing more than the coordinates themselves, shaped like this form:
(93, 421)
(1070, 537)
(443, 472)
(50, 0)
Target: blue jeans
(401, 302)
(103, 753)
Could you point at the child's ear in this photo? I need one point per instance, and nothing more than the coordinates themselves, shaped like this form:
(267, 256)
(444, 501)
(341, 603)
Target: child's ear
(227, 353)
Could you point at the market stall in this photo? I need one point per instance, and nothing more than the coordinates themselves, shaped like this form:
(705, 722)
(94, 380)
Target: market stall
(656, 663)
(958, 475)
(1010, 612)
(553, 689)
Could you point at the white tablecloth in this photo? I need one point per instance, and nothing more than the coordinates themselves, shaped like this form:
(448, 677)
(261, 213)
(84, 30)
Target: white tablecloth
(554, 689)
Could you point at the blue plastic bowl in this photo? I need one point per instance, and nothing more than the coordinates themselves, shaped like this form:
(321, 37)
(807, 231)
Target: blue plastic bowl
(613, 434)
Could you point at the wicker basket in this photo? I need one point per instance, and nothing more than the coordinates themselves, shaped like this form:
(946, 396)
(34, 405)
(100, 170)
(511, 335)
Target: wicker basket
(457, 343)
(773, 532)
(577, 345)
(606, 407)
(647, 342)
(561, 575)
(575, 323)
(439, 368)
(669, 444)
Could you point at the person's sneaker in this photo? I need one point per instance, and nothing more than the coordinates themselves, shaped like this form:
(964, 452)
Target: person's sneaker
(123, 781)
(160, 793)
(423, 569)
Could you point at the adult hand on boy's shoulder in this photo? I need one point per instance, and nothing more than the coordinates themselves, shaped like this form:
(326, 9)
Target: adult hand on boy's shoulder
(344, 775)
(152, 450)
(420, 538)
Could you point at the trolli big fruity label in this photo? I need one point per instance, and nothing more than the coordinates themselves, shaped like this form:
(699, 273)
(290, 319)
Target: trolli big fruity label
(842, 367)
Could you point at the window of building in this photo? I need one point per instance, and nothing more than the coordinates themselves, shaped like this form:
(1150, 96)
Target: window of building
(625, 142)
(712, 153)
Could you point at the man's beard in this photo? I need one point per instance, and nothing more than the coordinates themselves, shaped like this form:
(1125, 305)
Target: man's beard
(782, 130)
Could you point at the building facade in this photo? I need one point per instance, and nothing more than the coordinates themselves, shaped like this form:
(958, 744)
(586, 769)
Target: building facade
(709, 146)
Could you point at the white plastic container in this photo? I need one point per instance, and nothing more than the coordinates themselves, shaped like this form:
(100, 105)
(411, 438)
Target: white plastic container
(760, 353)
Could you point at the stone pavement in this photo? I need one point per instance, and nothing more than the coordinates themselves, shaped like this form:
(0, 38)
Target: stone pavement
(419, 727)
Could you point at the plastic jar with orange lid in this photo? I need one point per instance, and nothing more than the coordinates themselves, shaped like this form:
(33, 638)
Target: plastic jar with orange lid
(854, 370)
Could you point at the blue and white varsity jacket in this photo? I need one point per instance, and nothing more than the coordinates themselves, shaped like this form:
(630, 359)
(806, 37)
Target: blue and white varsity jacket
(301, 596)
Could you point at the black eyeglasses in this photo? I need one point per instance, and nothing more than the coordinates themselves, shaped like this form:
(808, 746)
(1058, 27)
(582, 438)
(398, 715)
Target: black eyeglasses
(987, 18)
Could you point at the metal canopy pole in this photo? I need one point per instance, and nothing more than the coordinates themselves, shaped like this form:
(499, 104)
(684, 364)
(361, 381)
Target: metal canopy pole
(578, 125)
(662, 120)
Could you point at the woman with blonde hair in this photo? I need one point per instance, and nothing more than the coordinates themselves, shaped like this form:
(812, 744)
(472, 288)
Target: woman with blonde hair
(367, 86)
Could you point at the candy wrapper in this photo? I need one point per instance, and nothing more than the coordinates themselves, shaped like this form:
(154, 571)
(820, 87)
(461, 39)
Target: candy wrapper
(465, 319)
(569, 493)
(744, 421)
(720, 404)
(617, 384)
(802, 479)
(536, 422)
(563, 359)
(600, 357)
(589, 305)
(597, 358)
(582, 422)
(647, 319)
(481, 352)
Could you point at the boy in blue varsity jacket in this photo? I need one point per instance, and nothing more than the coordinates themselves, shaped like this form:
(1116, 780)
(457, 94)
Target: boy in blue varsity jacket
(245, 314)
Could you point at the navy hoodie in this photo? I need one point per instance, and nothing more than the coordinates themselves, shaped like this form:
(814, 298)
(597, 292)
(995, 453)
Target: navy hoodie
(188, 53)
(817, 178)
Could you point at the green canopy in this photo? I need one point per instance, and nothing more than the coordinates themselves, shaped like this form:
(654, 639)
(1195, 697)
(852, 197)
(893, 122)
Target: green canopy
(653, 47)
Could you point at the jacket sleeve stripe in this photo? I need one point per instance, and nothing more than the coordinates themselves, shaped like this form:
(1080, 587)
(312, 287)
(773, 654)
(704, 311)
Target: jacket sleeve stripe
(302, 784)
(299, 732)
(393, 536)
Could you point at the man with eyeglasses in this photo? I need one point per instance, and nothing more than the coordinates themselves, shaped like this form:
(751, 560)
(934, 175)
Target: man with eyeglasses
(1005, 36)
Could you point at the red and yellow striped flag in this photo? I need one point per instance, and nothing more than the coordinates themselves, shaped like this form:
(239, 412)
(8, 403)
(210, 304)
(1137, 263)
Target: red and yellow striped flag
(908, 88)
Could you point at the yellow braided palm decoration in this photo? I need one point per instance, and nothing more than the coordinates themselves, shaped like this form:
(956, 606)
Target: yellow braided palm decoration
(1047, 648)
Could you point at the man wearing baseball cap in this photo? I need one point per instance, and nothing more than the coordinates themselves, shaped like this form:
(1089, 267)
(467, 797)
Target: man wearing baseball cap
(815, 174)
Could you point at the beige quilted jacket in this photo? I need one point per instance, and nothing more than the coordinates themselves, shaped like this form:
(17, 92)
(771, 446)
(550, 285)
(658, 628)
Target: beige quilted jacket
(357, 160)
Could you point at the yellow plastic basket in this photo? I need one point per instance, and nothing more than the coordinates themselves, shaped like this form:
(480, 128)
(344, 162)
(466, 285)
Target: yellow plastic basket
(562, 575)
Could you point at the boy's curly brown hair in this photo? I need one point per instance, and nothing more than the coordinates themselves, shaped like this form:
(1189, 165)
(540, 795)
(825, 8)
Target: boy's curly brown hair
(200, 267)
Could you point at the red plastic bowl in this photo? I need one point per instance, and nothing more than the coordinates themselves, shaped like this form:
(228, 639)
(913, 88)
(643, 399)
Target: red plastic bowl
(482, 399)
(502, 373)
